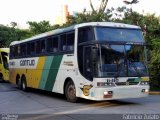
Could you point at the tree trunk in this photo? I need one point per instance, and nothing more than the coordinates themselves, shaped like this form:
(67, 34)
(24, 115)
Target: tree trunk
(102, 7)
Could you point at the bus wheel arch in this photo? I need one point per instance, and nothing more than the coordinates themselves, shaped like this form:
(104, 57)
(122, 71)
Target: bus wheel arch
(18, 81)
(70, 90)
(24, 83)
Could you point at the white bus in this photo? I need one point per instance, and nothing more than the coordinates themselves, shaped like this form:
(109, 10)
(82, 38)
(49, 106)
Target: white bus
(96, 61)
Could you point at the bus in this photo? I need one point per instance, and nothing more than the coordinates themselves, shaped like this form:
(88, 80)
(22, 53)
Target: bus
(4, 70)
(95, 60)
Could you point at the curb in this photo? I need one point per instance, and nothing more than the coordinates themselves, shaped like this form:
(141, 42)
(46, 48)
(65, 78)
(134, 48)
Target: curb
(154, 92)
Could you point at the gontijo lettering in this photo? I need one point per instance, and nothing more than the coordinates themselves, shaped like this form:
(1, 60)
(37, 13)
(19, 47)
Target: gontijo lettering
(27, 62)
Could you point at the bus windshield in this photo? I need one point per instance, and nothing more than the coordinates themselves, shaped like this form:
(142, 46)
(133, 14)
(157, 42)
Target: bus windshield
(118, 34)
(5, 59)
(120, 61)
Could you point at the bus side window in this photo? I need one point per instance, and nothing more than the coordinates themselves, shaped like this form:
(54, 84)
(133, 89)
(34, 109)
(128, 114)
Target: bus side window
(11, 52)
(55, 44)
(63, 42)
(32, 48)
(85, 34)
(43, 46)
(49, 44)
(23, 50)
(70, 41)
(38, 47)
(16, 51)
(28, 49)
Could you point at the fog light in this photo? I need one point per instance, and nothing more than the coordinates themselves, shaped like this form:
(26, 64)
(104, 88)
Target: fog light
(145, 90)
(108, 94)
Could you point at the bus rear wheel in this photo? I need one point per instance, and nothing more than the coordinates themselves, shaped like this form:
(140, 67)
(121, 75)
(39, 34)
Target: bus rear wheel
(70, 92)
(19, 83)
(24, 84)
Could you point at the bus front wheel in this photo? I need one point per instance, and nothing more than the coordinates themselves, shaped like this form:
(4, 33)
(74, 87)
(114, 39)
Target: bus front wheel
(70, 92)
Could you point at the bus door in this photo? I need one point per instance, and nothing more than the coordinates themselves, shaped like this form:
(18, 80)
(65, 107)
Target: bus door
(90, 61)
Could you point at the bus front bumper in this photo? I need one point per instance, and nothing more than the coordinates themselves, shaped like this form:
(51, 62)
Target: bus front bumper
(120, 92)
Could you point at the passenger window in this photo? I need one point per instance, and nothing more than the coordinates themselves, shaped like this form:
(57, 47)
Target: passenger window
(16, 51)
(43, 46)
(38, 45)
(23, 50)
(31, 48)
(49, 44)
(70, 41)
(52, 44)
(85, 34)
(12, 52)
(55, 44)
(63, 41)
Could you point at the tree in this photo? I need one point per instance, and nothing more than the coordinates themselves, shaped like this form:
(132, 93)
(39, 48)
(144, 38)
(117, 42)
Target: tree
(132, 2)
(102, 7)
(13, 24)
(39, 27)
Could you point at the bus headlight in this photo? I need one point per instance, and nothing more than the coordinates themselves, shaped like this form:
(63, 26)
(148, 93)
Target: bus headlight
(105, 84)
(144, 83)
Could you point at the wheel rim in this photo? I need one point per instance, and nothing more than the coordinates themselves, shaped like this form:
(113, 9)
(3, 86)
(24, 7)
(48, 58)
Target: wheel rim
(23, 86)
(71, 92)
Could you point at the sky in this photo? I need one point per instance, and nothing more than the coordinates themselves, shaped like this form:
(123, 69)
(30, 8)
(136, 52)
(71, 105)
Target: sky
(21, 11)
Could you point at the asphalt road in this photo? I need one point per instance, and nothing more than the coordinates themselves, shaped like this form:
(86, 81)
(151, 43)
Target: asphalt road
(37, 104)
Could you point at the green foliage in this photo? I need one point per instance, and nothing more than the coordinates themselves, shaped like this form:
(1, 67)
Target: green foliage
(155, 63)
(7, 35)
(39, 27)
(88, 17)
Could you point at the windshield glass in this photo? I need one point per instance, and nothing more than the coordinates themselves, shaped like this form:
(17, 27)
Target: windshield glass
(118, 34)
(120, 60)
(135, 57)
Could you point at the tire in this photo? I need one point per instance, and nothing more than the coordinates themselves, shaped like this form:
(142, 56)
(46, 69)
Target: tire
(70, 92)
(19, 83)
(24, 84)
(1, 78)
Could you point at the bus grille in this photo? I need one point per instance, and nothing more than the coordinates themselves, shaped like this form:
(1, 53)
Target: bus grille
(126, 83)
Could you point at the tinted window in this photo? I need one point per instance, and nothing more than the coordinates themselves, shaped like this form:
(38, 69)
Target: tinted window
(31, 48)
(63, 42)
(23, 50)
(85, 34)
(119, 34)
(70, 41)
(43, 46)
(38, 47)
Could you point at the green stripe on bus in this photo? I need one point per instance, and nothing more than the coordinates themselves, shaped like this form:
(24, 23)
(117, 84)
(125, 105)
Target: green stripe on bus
(53, 72)
(45, 72)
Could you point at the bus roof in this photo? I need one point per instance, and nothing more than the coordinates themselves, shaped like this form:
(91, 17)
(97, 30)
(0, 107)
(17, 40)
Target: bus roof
(73, 27)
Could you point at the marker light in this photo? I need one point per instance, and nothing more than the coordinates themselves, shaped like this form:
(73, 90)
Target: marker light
(144, 83)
